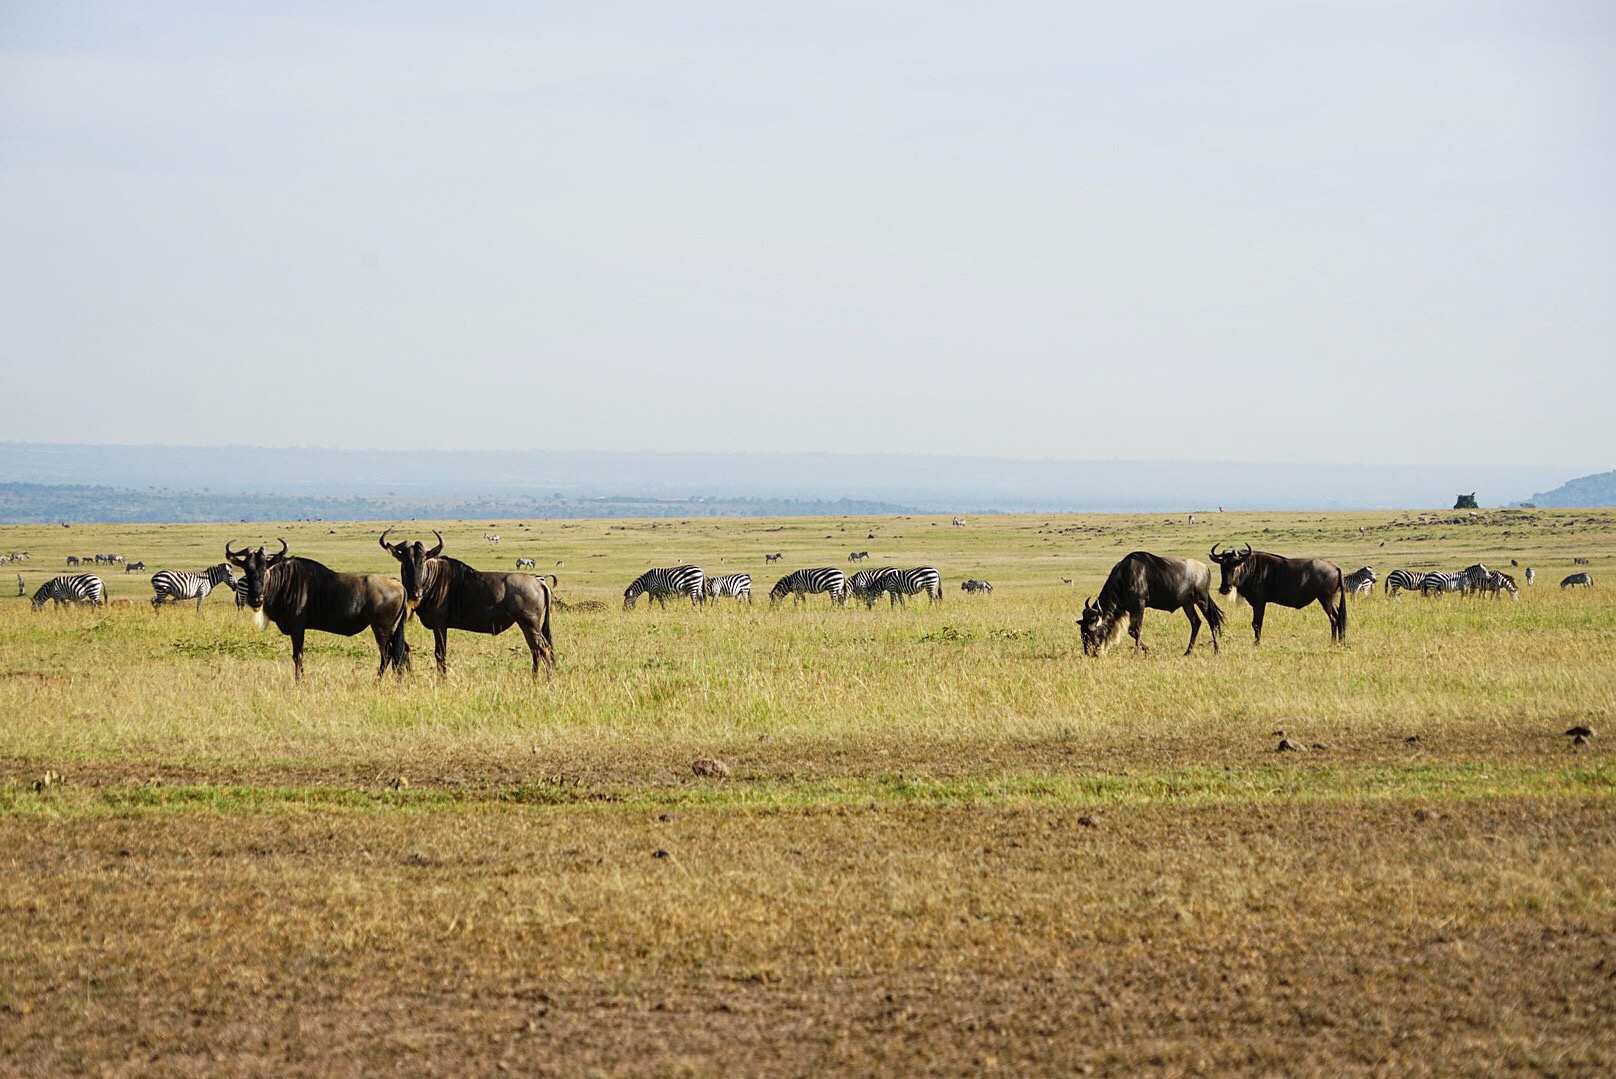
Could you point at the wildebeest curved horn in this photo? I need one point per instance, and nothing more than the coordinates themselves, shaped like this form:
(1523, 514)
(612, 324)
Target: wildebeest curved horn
(232, 556)
(1088, 601)
(436, 551)
(1213, 553)
(278, 556)
(382, 539)
(1248, 551)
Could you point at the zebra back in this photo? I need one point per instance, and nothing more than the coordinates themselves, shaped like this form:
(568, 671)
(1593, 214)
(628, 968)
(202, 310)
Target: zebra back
(812, 582)
(734, 584)
(663, 582)
(925, 579)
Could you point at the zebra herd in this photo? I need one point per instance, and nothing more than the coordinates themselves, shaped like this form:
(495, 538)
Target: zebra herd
(869, 585)
(1473, 580)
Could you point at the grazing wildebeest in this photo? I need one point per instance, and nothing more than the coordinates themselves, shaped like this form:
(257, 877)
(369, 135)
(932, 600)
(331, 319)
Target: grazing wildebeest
(1143, 580)
(1262, 578)
(300, 594)
(1578, 580)
(131, 567)
(857, 556)
(446, 594)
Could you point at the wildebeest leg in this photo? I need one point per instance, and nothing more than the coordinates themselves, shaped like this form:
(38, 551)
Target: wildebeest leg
(440, 648)
(383, 635)
(540, 648)
(1136, 622)
(1211, 626)
(297, 654)
(1256, 621)
(1195, 625)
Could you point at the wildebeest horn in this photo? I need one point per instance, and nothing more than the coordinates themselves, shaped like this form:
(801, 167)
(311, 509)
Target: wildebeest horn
(382, 539)
(232, 556)
(1248, 551)
(436, 551)
(1088, 601)
(274, 558)
(1213, 552)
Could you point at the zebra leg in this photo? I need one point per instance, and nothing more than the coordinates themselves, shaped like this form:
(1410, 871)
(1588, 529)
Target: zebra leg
(199, 600)
(1195, 625)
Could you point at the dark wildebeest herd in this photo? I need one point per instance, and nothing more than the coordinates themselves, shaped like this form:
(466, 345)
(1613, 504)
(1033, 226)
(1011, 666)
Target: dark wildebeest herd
(299, 594)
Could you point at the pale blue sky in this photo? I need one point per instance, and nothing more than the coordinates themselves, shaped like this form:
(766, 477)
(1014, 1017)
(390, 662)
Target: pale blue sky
(1322, 231)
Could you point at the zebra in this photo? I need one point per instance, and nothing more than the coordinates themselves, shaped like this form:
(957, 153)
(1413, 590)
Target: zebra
(920, 579)
(737, 585)
(71, 588)
(974, 585)
(239, 587)
(868, 584)
(857, 556)
(958, 522)
(492, 538)
(1531, 576)
(1475, 578)
(526, 563)
(1360, 582)
(774, 557)
(1578, 580)
(1499, 582)
(1406, 580)
(173, 585)
(659, 584)
(806, 582)
(1435, 583)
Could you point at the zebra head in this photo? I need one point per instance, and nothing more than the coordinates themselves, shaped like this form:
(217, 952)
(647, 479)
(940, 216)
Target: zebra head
(412, 559)
(255, 566)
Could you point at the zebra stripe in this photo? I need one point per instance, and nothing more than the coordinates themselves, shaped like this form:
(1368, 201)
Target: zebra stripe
(71, 588)
(868, 584)
(1578, 580)
(1436, 583)
(1499, 582)
(1360, 582)
(806, 582)
(738, 585)
(173, 585)
(239, 587)
(974, 585)
(925, 579)
(659, 584)
(1406, 580)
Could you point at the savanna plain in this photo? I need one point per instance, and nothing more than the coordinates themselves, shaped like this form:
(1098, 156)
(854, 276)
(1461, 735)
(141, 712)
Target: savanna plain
(938, 838)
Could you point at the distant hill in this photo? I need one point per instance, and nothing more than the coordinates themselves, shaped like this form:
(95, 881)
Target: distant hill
(1596, 490)
(30, 503)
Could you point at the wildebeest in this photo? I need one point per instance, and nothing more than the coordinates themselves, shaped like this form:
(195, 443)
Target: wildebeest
(1143, 580)
(1361, 581)
(1578, 580)
(857, 556)
(72, 559)
(1262, 578)
(1580, 562)
(774, 557)
(131, 567)
(300, 594)
(446, 594)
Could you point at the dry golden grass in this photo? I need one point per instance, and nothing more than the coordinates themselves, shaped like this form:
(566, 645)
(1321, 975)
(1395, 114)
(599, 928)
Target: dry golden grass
(239, 874)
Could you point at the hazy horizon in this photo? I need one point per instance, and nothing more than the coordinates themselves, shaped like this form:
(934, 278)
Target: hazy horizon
(1340, 233)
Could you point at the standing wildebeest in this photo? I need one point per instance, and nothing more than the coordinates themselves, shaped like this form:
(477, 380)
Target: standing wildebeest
(72, 559)
(300, 594)
(1144, 580)
(1578, 580)
(446, 594)
(131, 567)
(1263, 578)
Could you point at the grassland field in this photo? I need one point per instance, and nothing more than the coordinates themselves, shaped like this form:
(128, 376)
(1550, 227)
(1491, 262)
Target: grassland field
(946, 841)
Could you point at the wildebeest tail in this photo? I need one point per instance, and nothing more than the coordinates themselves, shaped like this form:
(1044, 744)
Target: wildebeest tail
(1342, 584)
(1214, 614)
(398, 649)
(544, 627)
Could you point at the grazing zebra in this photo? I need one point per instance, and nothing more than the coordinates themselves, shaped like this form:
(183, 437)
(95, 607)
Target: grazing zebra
(868, 584)
(173, 585)
(131, 567)
(1436, 583)
(920, 579)
(738, 585)
(974, 585)
(492, 538)
(101, 559)
(958, 522)
(1531, 576)
(1406, 580)
(806, 582)
(71, 588)
(857, 556)
(72, 559)
(1475, 579)
(1578, 580)
(659, 584)
(774, 557)
(1360, 582)
(1497, 582)
(526, 563)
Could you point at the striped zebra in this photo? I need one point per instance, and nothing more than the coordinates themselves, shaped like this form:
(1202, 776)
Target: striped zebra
(908, 582)
(659, 584)
(1497, 582)
(1531, 576)
(527, 563)
(738, 585)
(239, 587)
(805, 582)
(1360, 582)
(974, 585)
(869, 584)
(71, 588)
(1403, 580)
(1475, 578)
(1435, 583)
(1578, 580)
(173, 585)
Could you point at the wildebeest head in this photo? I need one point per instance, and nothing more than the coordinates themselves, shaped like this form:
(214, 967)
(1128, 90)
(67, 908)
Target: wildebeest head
(254, 565)
(412, 559)
(1097, 628)
(1233, 564)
